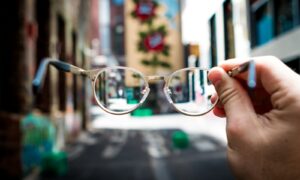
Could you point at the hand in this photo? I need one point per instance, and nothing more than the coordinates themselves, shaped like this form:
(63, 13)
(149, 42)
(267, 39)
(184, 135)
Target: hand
(263, 130)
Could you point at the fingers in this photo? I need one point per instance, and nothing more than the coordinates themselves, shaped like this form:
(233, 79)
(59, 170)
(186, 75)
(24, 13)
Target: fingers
(274, 79)
(218, 109)
(273, 94)
(220, 112)
(234, 98)
(232, 63)
(271, 72)
(274, 74)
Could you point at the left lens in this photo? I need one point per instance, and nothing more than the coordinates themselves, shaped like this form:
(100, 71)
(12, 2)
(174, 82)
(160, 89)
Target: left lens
(119, 90)
(190, 91)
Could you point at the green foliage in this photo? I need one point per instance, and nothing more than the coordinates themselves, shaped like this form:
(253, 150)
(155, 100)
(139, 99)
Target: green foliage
(141, 47)
(155, 62)
(143, 35)
(165, 65)
(165, 51)
(137, 76)
(133, 14)
(146, 62)
(155, 4)
(162, 30)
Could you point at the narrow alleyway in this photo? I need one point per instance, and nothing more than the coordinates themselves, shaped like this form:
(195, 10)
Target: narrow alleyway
(148, 154)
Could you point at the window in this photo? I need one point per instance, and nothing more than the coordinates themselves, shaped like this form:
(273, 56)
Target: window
(297, 4)
(228, 30)
(284, 20)
(271, 18)
(262, 22)
(117, 27)
(62, 56)
(75, 77)
(42, 11)
(213, 41)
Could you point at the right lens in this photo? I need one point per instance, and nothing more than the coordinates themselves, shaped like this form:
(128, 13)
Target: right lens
(120, 90)
(190, 91)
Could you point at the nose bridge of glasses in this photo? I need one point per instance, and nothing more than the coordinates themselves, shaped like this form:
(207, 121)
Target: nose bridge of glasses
(156, 78)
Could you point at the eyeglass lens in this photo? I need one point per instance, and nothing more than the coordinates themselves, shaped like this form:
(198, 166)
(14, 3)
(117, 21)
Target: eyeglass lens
(191, 92)
(119, 89)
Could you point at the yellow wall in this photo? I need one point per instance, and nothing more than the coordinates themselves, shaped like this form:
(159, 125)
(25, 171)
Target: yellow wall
(134, 57)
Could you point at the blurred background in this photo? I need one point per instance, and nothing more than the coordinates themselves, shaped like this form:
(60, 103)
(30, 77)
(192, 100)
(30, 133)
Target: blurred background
(61, 133)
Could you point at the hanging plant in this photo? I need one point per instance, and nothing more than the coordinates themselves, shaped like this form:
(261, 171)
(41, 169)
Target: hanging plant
(144, 10)
(155, 62)
(154, 41)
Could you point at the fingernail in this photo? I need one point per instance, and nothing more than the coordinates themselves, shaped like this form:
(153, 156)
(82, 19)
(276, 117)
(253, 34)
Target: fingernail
(216, 82)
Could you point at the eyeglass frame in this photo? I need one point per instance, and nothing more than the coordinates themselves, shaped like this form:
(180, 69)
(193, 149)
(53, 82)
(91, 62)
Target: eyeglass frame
(93, 74)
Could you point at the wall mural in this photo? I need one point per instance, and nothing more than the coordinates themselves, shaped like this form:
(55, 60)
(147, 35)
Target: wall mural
(154, 32)
(152, 39)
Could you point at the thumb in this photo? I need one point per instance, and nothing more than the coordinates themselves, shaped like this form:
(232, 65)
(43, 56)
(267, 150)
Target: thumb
(232, 95)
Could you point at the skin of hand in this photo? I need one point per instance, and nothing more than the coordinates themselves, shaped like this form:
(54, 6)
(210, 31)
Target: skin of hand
(263, 130)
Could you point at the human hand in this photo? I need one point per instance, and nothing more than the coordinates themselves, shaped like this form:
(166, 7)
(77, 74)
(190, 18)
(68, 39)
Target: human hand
(263, 130)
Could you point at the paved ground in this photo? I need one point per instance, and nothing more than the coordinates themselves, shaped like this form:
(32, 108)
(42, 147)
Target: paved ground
(114, 154)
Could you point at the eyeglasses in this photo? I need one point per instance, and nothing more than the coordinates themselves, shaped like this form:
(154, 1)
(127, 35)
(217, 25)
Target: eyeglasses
(121, 90)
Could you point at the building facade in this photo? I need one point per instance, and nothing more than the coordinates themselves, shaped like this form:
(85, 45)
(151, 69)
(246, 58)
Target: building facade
(37, 29)
(239, 28)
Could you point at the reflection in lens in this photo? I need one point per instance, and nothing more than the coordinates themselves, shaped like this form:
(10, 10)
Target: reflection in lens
(190, 91)
(119, 89)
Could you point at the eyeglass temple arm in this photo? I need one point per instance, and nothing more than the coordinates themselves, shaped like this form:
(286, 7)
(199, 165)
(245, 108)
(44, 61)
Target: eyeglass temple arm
(38, 81)
(250, 66)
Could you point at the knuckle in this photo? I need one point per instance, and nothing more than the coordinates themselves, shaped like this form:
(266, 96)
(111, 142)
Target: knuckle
(265, 58)
(272, 58)
(268, 59)
(290, 100)
(233, 129)
(228, 93)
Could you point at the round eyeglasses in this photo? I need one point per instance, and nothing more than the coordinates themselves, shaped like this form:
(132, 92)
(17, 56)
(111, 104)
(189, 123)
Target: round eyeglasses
(121, 90)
